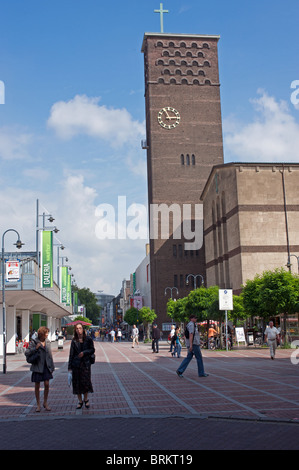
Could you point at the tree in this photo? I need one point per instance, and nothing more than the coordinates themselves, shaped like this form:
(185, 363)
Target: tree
(88, 299)
(272, 293)
(147, 316)
(176, 310)
(132, 316)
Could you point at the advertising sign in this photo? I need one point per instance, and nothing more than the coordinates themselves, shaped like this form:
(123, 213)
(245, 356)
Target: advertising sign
(226, 299)
(47, 259)
(69, 290)
(63, 284)
(12, 271)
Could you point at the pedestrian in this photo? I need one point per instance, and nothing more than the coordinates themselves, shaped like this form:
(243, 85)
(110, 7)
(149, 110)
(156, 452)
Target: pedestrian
(172, 341)
(43, 366)
(135, 334)
(155, 339)
(193, 347)
(81, 350)
(271, 336)
(119, 335)
(112, 335)
(177, 343)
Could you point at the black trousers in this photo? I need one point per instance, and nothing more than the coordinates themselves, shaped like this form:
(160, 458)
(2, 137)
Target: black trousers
(155, 345)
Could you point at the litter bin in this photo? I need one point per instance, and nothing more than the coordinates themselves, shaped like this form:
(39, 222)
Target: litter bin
(60, 342)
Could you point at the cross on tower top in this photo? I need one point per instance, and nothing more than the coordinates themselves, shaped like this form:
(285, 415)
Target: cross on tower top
(161, 11)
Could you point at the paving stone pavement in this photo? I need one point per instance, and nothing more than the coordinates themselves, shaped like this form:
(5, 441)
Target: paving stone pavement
(139, 403)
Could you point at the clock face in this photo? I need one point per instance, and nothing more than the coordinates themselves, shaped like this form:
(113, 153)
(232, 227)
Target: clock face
(169, 118)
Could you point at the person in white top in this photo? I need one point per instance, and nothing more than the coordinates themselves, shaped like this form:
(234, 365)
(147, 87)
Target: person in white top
(271, 334)
(135, 334)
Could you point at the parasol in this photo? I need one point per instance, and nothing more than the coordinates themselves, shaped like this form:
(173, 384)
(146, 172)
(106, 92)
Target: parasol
(78, 321)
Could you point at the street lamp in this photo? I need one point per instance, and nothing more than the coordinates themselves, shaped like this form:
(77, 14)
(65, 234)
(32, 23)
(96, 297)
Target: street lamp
(171, 289)
(19, 245)
(194, 279)
(289, 262)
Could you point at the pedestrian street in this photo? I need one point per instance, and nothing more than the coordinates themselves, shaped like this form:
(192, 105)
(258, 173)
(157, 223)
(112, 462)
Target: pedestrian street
(242, 383)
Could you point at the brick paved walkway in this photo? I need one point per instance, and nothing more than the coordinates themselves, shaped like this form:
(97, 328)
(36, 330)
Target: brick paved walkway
(247, 400)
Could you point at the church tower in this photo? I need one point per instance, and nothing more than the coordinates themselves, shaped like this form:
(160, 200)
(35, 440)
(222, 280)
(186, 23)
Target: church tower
(183, 142)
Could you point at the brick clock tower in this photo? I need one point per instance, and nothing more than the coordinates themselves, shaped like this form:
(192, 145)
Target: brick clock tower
(183, 142)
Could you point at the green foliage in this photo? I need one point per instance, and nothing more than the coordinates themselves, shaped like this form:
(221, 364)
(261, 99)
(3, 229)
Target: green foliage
(88, 299)
(147, 315)
(272, 293)
(132, 316)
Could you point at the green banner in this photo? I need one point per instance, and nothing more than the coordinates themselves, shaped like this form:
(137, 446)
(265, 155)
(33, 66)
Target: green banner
(75, 301)
(63, 284)
(69, 290)
(47, 259)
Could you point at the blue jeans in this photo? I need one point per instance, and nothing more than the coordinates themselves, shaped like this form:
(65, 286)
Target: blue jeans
(197, 353)
(177, 349)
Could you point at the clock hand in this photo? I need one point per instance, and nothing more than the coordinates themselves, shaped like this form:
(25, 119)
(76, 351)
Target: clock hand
(167, 115)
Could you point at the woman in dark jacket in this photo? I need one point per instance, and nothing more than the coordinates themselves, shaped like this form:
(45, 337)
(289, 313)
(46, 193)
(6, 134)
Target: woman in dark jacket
(82, 348)
(43, 366)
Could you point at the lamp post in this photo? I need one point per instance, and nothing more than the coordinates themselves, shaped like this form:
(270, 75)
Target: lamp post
(289, 262)
(171, 289)
(194, 278)
(18, 245)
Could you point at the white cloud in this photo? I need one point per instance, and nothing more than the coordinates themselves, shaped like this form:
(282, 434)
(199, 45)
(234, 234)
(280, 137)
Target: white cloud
(273, 136)
(97, 264)
(84, 115)
(14, 143)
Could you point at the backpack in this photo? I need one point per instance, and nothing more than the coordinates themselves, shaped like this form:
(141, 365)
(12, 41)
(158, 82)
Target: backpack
(186, 333)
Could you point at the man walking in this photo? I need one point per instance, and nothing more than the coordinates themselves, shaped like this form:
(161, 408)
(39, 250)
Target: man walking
(135, 334)
(271, 334)
(155, 339)
(193, 347)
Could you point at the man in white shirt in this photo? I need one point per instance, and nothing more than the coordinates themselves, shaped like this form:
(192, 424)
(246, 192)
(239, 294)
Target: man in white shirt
(135, 334)
(193, 347)
(271, 334)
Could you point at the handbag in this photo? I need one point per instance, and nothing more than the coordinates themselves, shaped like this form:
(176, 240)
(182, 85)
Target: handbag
(33, 357)
(92, 358)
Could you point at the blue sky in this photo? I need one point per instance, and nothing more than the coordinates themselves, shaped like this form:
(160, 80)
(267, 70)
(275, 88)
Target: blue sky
(73, 117)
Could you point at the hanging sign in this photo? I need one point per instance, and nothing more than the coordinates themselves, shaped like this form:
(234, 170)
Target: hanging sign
(63, 284)
(12, 271)
(47, 259)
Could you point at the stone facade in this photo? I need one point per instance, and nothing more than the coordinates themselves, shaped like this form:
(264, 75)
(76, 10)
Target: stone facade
(251, 221)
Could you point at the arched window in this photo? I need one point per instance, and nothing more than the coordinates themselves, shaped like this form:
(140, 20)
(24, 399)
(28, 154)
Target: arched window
(161, 80)
(195, 63)
(165, 53)
(207, 63)
(184, 81)
(200, 54)
(195, 82)
(193, 159)
(173, 81)
(207, 82)
(171, 44)
(159, 44)
(166, 72)
(189, 54)
(183, 44)
(177, 54)
(194, 45)
(182, 159)
(160, 62)
(205, 45)
(171, 62)
(201, 73)
(187, 160)
(183, 62)
(178, 72)
(189, 72)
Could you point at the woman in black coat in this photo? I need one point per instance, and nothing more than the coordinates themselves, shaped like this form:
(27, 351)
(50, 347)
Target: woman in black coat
(82, 348)
(42, 366)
